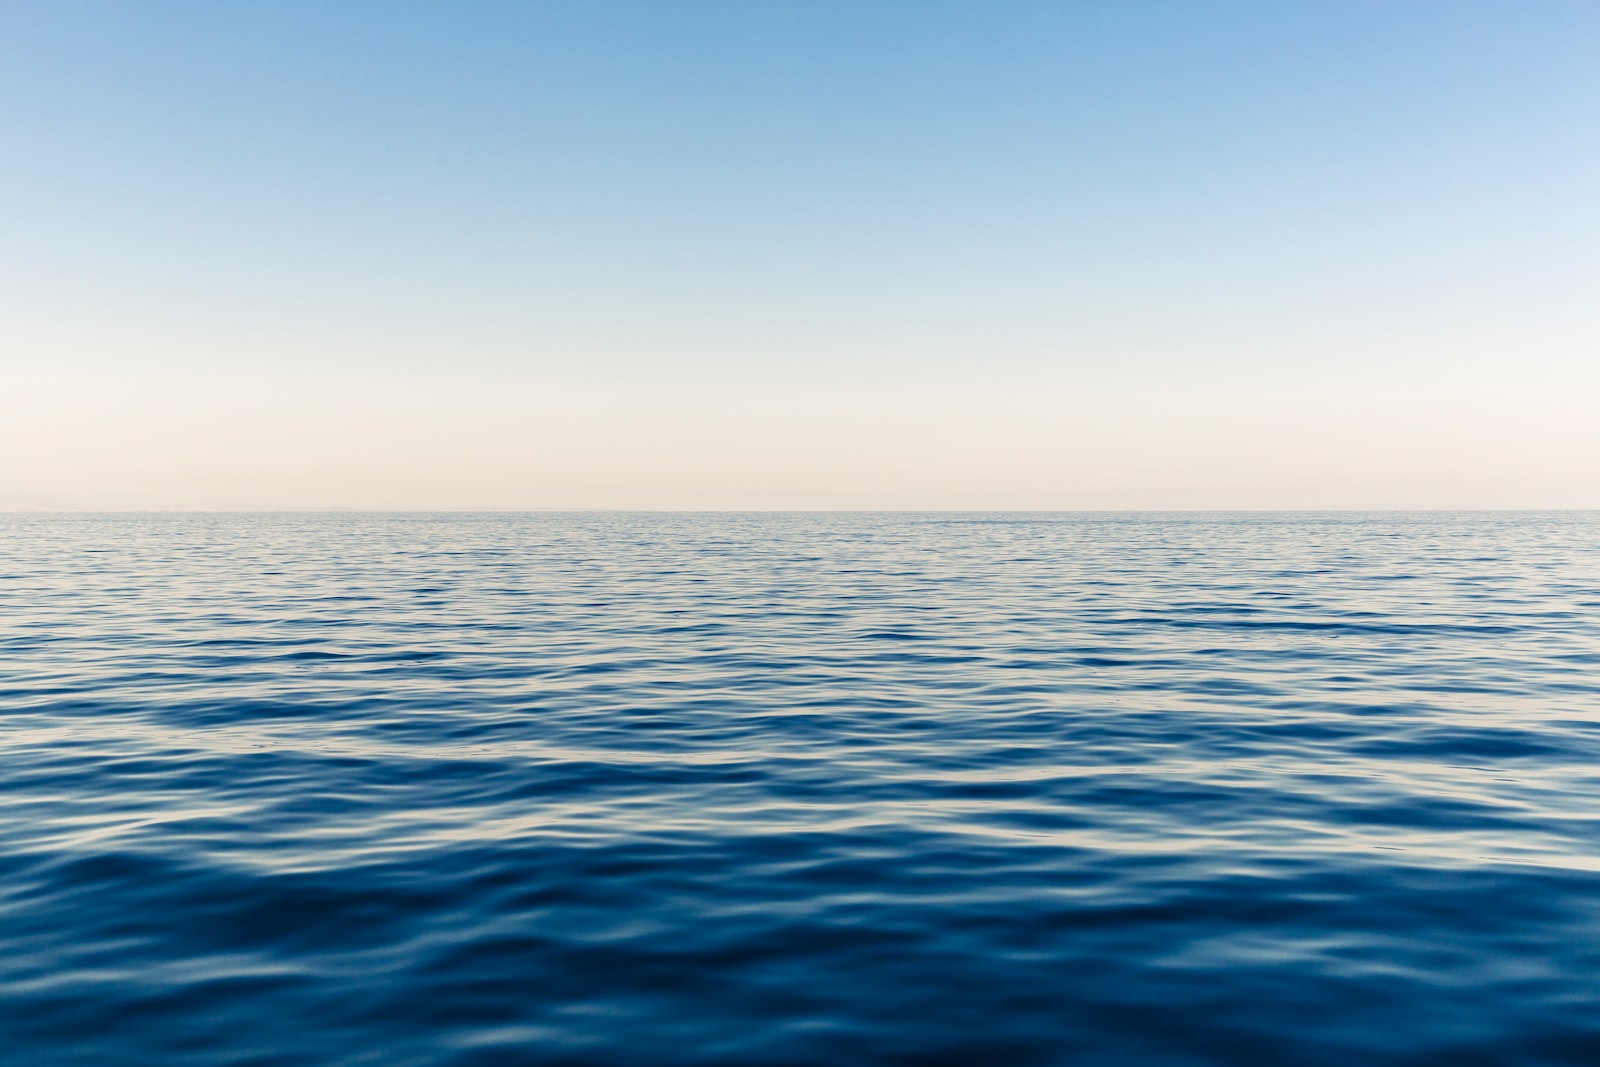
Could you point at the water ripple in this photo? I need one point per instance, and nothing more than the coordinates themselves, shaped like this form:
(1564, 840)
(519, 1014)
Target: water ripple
(798, 789)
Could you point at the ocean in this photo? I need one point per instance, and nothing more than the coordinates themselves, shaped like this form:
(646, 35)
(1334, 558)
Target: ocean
(751, 789)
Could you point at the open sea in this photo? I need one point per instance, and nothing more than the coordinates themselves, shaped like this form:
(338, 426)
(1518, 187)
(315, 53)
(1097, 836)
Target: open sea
(661, 789)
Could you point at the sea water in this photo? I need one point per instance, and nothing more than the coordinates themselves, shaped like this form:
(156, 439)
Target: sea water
(800, 789)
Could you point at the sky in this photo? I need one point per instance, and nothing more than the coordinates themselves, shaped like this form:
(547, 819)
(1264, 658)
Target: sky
(800, 255)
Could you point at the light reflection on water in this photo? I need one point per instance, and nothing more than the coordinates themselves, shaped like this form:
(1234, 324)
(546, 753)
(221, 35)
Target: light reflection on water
(654, 789)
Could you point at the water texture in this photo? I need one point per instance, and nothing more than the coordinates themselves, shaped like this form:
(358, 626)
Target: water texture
(800, 789)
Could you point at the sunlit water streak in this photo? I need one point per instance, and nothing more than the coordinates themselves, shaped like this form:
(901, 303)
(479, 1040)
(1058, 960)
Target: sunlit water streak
(656, 789)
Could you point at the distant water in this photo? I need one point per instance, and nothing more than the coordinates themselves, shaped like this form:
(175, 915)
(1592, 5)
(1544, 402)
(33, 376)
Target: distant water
(800, 789)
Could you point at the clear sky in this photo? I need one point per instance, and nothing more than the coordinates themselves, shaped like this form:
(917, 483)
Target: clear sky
(724, 255)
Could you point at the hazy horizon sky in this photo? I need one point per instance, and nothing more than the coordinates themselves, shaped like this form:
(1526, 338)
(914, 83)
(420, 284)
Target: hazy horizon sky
(797, 255)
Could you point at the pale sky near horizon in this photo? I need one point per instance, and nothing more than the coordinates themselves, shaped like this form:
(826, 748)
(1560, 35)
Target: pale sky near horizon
(797, 255)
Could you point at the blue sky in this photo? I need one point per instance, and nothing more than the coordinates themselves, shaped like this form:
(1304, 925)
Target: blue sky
(1351, 208)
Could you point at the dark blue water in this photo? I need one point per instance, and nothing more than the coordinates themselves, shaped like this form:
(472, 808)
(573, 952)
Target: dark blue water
(800, 789)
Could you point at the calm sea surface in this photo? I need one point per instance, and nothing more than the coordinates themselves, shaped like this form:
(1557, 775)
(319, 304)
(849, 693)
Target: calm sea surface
(800, 789)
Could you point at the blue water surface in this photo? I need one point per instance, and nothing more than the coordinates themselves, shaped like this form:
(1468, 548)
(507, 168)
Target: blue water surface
(800, 789)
